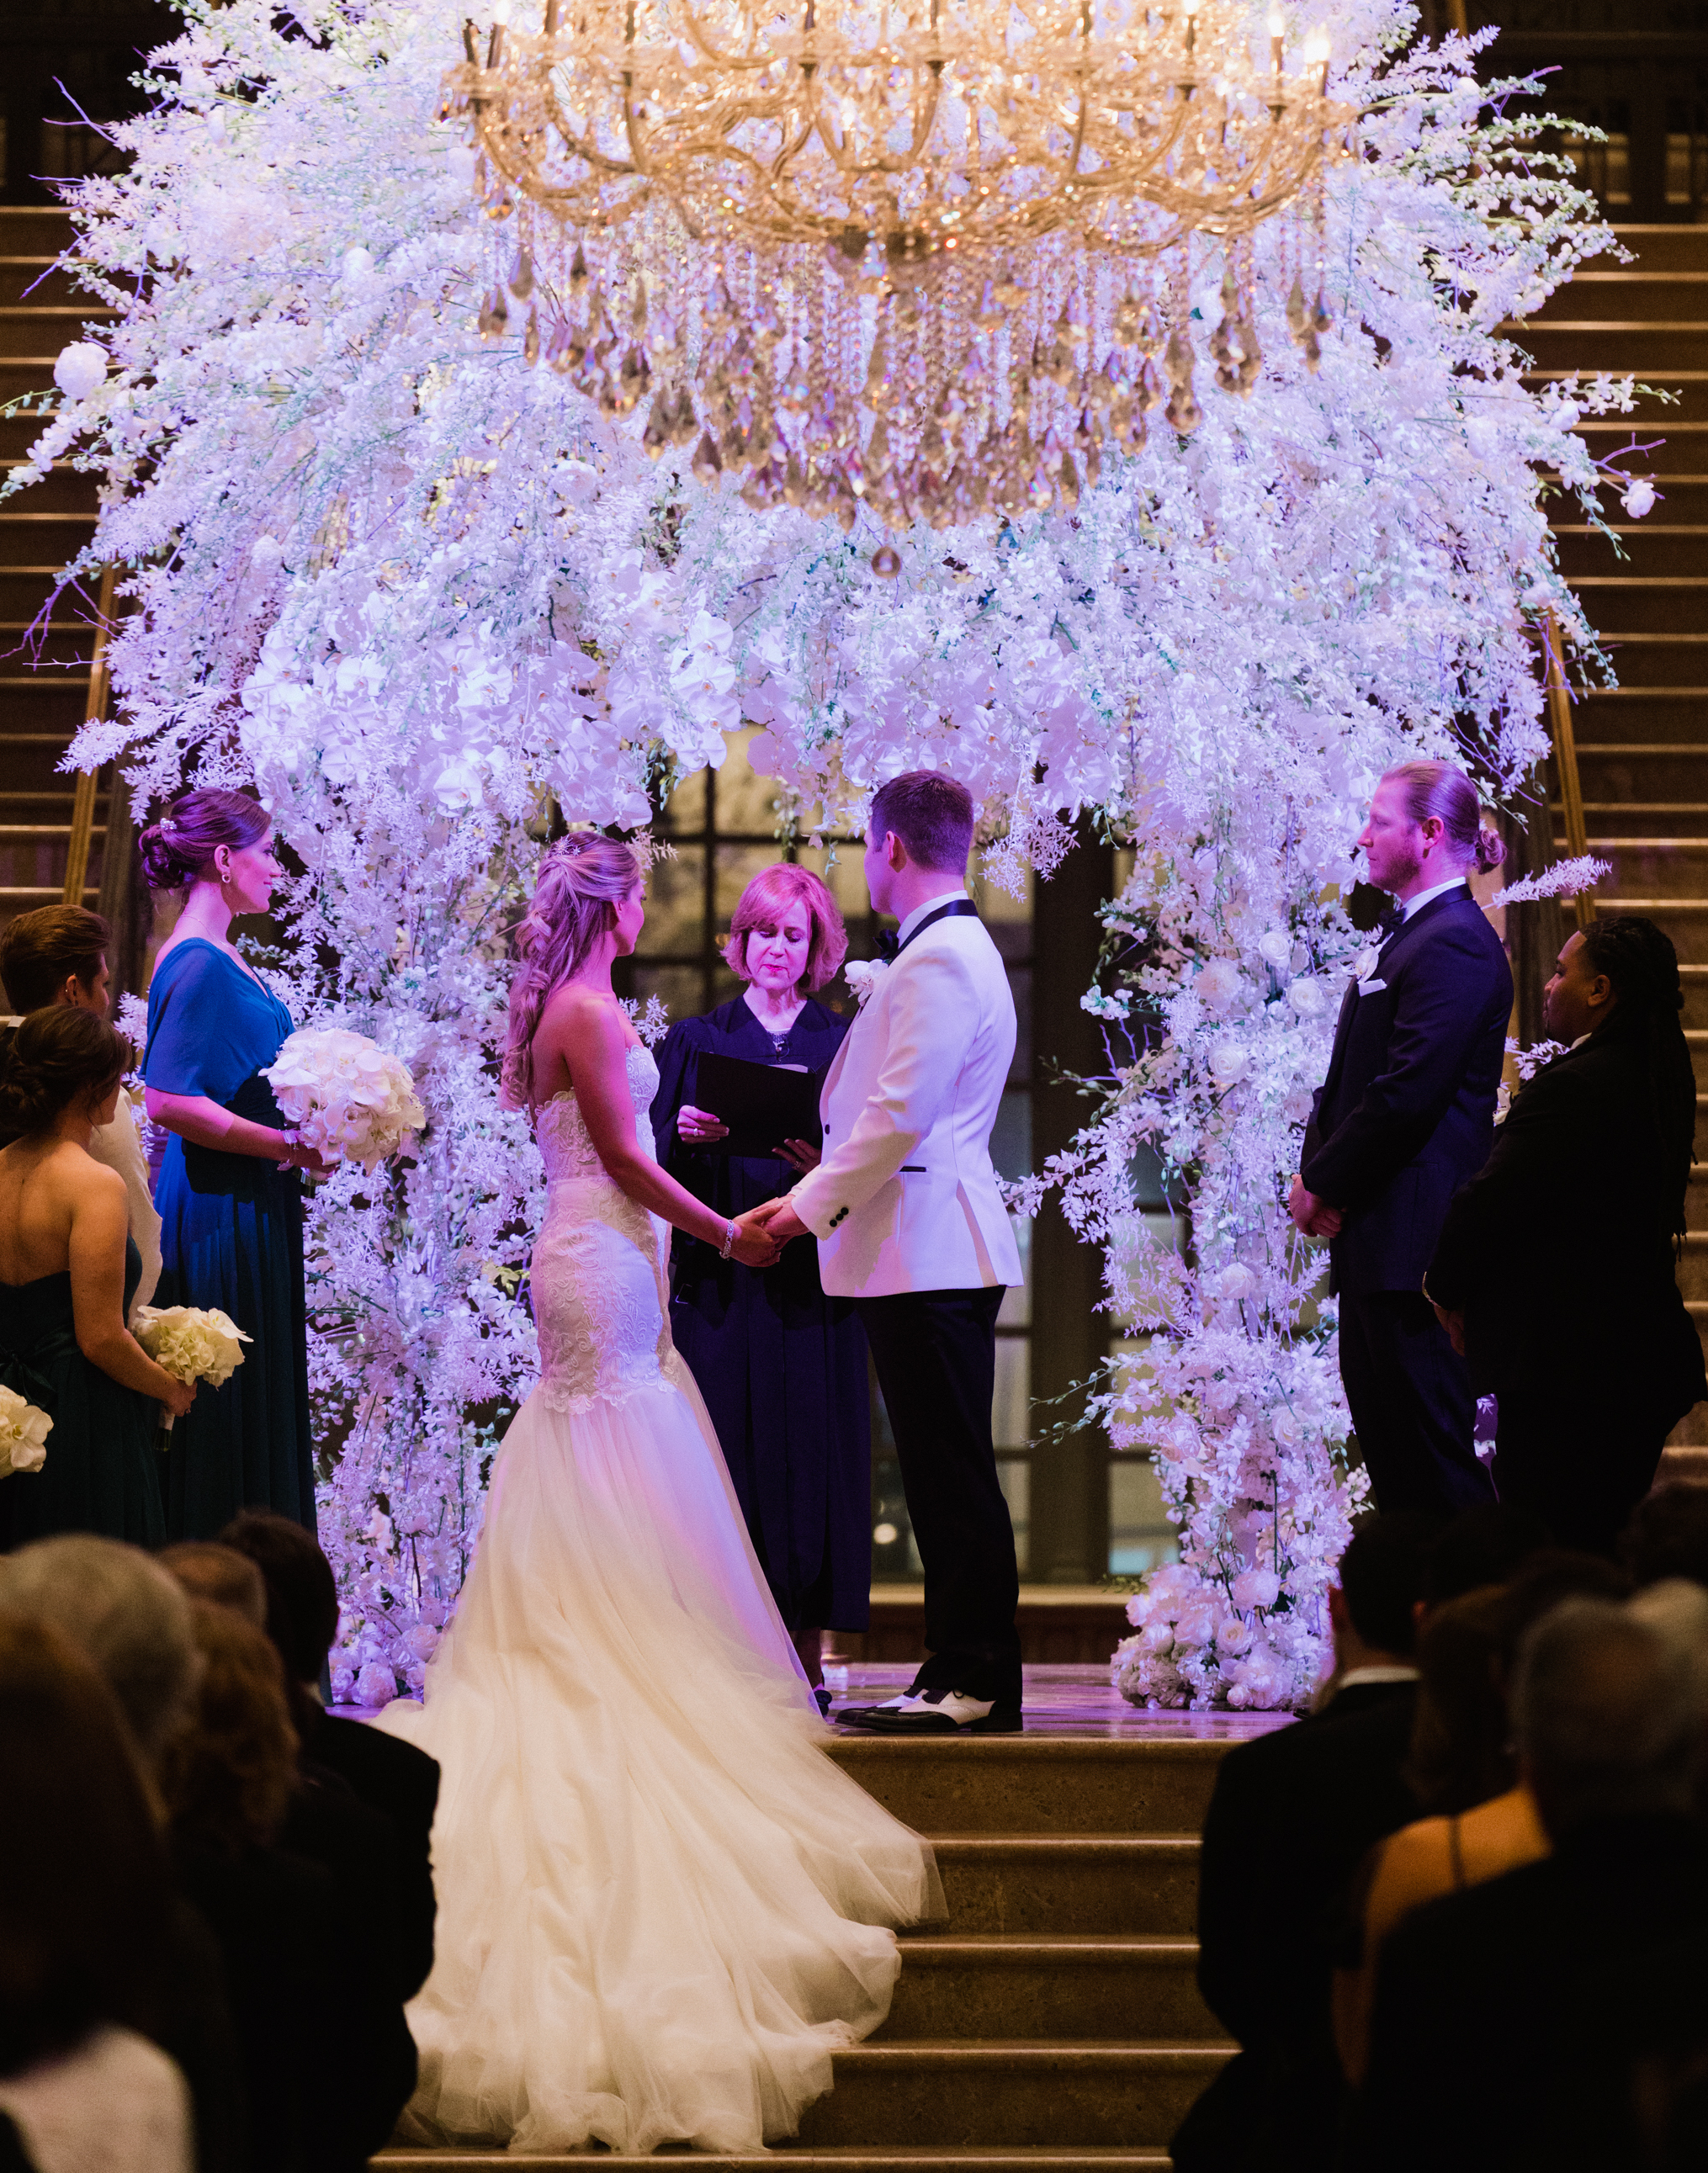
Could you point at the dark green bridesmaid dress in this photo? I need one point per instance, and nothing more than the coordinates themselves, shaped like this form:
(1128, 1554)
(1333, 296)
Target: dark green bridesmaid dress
(231, 1237)
(101, 1472)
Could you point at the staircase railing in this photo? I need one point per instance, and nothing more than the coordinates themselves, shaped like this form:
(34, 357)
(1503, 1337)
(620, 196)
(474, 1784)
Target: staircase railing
(1565, 738)
(95, 708)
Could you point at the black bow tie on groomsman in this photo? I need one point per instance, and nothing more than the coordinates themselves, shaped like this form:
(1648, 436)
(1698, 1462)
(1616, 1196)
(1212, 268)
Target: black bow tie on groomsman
(1390, 924)
(890, 945)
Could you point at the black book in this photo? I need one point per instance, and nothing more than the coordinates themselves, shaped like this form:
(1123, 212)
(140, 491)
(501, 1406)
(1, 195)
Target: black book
(763, 1104)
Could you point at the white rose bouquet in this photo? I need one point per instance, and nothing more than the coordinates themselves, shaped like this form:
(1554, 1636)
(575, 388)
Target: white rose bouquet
(350, 1100)
(191, 1342)
(23, 1428)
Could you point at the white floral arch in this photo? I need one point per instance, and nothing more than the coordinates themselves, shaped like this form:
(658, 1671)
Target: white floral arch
(410, 586)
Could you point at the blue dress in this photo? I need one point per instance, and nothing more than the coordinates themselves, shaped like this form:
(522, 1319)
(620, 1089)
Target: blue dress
(782, 1368)
(102, 1469)
(231, 1237)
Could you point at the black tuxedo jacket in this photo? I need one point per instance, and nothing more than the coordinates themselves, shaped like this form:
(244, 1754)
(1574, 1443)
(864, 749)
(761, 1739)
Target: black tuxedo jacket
(393, 1776)
(1290, 1819)
(1575, 1198)
(1509, 2016)
(1407, 1112)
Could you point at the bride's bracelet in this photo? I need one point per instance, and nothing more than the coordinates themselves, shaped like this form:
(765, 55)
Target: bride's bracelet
(732, 1231)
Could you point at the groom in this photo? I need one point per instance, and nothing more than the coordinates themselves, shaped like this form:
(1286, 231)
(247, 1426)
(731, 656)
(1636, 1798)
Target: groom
(911, 1225)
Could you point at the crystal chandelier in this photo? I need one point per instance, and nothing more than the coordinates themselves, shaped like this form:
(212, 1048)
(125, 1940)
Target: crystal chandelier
(881, 253)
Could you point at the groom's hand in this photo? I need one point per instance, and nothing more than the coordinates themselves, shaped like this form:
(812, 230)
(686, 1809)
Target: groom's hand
(777, 1219)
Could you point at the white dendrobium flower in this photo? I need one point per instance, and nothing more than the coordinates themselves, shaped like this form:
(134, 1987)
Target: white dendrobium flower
(1638, 497)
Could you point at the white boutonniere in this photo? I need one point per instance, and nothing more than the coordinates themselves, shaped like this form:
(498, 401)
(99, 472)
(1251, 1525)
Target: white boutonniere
(861, 975)
(1363, 965)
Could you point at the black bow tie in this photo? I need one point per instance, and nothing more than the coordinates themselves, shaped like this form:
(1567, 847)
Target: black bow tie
(1390, 924)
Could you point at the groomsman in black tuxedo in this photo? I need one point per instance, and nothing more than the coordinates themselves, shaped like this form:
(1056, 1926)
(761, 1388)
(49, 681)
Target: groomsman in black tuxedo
(1405, 1115)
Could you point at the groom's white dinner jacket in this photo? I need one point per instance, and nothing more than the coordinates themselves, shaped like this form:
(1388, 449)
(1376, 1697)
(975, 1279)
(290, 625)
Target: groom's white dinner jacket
(906, 1198)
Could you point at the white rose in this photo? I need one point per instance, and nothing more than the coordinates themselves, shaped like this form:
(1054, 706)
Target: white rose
(1255, 1588)
(1197, 1621)
(1228, 1061)
(1275, 948)
(1306, 998)
(81, 368)
(1218, 985)
(1237, 1281)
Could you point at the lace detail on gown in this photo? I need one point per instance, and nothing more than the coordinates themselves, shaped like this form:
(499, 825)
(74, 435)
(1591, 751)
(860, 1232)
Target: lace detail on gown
(601, 1263)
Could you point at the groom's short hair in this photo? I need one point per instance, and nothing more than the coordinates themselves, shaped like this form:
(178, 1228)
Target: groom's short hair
(931, 814)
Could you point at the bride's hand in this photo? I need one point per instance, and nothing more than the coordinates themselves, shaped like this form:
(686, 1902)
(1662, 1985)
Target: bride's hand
(697, 1127)
(754, 1246)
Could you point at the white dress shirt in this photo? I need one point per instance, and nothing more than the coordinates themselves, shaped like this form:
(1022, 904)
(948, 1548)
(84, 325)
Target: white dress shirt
(1417, 904)
(930, 905)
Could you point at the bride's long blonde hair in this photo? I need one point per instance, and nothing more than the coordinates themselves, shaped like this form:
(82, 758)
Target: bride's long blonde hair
(582, 881)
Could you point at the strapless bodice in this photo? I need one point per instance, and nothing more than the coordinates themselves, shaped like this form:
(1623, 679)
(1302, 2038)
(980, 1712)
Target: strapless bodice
(564, 1143)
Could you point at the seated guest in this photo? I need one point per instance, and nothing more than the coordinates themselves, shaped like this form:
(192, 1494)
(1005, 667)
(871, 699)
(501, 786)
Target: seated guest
(1503, 2034)
(1587, 1181)
(390, 1775)
(124, 1613)
(84, 1902)
(1667, 1534)
(69, 1269)
(219, 1575)
(1461, 1767)
(322, 1822)
(57, 955)
(1291, 1815)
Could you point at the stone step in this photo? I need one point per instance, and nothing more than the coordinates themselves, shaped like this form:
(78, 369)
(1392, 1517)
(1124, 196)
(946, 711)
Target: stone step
(1685, 919)
(63, 489)
(29, 539)
(1664, 248)
(1643, 293)
(1035, 1784)
(1136, 1885)
(1673, 868)
(844, 2158)
(1076, 1990)
(1648, 351)
(1616, 605)
(999, 2091)
(1650, 663)
(1632, 551)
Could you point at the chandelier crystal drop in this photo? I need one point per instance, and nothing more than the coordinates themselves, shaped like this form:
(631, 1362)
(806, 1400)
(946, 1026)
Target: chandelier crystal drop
(932, 260)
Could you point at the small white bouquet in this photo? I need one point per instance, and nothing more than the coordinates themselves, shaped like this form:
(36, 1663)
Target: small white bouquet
(349, 1099)
(23, 1428)
(191, 1342)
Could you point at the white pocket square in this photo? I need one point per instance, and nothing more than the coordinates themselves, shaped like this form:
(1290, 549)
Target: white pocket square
(1369, 987)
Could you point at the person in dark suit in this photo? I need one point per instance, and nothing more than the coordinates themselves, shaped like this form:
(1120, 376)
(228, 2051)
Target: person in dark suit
(1506, 2033)
(390, 1777)
(1581, 1201)
(1291, 1816)
(1404, 1116)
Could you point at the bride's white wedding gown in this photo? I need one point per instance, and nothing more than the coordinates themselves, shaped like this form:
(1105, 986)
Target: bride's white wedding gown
(660, 1902)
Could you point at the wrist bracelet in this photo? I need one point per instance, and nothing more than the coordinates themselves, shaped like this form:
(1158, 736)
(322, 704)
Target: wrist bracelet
(732, 1231)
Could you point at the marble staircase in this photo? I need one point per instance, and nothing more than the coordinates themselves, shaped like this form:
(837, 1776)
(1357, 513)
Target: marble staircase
(1643, 747)
(1053, 2019)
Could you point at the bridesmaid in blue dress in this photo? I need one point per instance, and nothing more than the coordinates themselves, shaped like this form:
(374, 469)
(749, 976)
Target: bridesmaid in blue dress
(229, 1192)
(782, 1368)
(69, 1269)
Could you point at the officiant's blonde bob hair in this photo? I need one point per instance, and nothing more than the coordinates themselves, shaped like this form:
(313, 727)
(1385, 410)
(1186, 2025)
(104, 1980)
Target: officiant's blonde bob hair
(775, 892)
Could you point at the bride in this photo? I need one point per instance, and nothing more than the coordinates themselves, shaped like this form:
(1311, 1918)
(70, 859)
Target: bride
(660, 1903)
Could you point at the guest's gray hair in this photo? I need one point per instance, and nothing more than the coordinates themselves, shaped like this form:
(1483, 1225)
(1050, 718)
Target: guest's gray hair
(130, 1617)
(1610, 1705)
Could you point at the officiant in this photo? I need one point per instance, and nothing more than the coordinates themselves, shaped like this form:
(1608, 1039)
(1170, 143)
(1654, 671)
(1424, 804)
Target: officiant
(781, 1366)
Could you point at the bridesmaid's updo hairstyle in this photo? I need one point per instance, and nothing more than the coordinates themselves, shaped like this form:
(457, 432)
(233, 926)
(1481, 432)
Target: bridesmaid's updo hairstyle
(772, 894)
(582, 881)
(1437, 789)
(58, 1059)
(179, 848)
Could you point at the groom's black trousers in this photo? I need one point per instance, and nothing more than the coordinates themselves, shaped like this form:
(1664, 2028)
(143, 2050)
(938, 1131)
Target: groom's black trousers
(936, 1356)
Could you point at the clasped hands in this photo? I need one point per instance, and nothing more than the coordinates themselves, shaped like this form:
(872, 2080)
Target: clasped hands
(1315, 1217)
